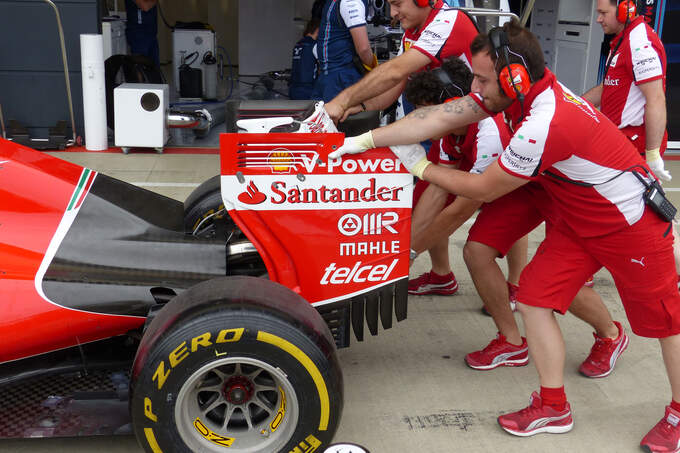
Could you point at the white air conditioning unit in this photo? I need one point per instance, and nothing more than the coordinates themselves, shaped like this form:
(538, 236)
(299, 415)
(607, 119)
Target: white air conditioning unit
(140, 114)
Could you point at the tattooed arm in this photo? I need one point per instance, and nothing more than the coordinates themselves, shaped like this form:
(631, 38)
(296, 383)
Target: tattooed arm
(427, 122)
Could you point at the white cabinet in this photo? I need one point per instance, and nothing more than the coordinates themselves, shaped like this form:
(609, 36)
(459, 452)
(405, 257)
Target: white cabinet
(140, 113)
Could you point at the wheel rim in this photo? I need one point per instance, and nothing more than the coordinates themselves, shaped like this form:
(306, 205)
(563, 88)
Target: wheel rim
(239, 402)
(206, 226)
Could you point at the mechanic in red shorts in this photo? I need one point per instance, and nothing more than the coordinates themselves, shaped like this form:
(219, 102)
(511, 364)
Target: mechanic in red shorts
(500, 228)
(596, 179)
(498, 225)
(472, 148)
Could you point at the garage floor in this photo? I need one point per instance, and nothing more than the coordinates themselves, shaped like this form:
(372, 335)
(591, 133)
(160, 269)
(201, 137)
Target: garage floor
(408, 389)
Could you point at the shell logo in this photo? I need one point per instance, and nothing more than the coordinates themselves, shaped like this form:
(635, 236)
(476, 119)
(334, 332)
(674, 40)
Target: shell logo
(281, 160)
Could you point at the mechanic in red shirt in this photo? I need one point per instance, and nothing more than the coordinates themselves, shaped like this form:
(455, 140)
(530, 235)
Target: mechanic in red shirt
(471, 148)
(433, 32)
(596, 179)
(632, 94)
(499, 230)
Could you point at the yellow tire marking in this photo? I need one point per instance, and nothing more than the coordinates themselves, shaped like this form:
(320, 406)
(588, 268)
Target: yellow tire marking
(151, 439)
(313, 371)
(212, 436)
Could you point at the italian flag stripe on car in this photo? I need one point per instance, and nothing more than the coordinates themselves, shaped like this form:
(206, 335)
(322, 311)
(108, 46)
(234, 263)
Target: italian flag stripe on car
(84, 183)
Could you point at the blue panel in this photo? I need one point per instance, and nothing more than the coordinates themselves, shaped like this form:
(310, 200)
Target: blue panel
(32, 85)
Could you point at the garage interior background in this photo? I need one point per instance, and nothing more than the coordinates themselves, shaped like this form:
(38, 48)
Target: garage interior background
(258, 36)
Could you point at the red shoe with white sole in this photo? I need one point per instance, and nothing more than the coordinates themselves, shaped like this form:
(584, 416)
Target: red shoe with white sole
(431, 283)
(604, 354)
(665, 436)
(537, 418)
(499, 353)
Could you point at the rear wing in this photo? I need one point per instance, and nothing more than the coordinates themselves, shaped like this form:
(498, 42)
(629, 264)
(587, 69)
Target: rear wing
(335, 231)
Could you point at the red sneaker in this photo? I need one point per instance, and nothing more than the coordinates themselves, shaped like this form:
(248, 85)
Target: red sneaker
(589, 282)
(499, 353)
(431, 283)
(603, 355)
(537, 418)
(665, 436)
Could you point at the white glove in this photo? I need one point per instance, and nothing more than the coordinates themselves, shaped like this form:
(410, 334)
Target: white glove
(354, 145)
(319, 121)
(655, 162)
(413, 157)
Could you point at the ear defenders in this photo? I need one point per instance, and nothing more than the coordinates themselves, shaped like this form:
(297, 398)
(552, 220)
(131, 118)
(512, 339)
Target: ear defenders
(626, 11)
(424, 3)
(514, 78)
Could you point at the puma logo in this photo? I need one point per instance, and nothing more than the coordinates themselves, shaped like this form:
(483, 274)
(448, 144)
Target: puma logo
(641, 261)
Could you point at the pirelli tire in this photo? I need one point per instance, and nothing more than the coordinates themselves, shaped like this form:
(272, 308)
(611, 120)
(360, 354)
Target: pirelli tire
(238, 364)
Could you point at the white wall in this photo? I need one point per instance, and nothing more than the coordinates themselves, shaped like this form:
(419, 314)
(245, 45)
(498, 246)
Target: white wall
(268, 31)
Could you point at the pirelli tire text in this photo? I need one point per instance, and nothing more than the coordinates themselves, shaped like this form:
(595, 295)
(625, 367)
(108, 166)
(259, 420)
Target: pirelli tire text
(252, 372)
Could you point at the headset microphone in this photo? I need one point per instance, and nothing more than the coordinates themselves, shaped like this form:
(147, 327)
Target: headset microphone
(451, 90)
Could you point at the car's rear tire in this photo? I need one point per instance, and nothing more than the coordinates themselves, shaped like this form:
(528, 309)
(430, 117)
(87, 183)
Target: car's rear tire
(206, 217)
(253, 369)
(203, 207)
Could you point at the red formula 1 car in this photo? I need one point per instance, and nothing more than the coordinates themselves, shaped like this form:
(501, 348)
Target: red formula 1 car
(226, 310)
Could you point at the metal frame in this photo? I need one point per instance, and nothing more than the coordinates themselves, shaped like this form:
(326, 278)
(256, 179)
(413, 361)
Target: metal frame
(66, 73)
(527, 12)
(488, 12)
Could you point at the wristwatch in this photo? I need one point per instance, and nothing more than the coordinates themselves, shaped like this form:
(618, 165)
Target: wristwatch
(413, 254)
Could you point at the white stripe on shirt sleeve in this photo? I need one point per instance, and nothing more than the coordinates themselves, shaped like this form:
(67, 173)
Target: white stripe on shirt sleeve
(353, 13)
(646, 62)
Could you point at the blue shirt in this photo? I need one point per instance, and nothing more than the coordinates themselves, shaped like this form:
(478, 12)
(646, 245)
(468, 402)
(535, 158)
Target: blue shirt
(141, 21)
(335, 45)
(141, 29)
(303, 72)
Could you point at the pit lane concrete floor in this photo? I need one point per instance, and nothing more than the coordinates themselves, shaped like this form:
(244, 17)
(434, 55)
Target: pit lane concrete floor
(408, 389)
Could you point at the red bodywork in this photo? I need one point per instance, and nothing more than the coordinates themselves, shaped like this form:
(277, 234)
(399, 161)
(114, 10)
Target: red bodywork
(329, 230)
(37, 191)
